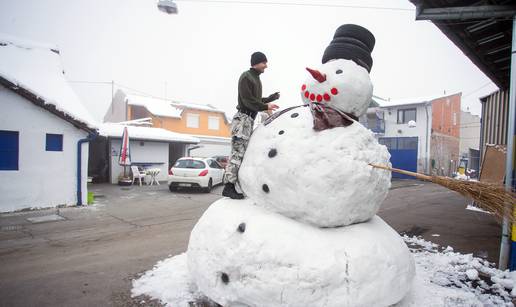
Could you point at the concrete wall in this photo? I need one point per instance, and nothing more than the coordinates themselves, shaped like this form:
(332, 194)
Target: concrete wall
(422, 130)
(444, 153)
(156, 152)
(469, 132)
(44, 178)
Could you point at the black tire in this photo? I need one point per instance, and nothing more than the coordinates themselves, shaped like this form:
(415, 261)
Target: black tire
(351, 41)
(209, 187)
(355, 53)
(172, 188)
(357, 32)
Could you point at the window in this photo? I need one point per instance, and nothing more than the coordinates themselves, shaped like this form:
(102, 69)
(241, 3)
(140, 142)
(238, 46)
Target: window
(9, 150)
(406, 115)
(192, 121)
(454, 119)
(213, 123)
(190, 164)
(54, 142)
(214, 164)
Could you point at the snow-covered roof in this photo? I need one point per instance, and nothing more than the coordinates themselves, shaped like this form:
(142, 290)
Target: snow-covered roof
(407, 101)
(35, 68)
(156, 106)
(167, 108)
(203, 107)
(145, 133)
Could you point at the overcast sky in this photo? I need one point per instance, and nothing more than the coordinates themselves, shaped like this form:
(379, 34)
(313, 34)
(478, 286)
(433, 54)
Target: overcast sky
(198, 55)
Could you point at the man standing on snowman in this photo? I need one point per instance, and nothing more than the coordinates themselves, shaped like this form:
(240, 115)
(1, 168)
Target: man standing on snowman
(250, 102)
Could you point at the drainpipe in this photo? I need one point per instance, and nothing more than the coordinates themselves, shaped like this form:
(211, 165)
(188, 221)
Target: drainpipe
(505, 245)
(427, 152)
(90, 137)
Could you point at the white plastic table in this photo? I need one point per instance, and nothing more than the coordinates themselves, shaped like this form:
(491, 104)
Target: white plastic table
(153, 173)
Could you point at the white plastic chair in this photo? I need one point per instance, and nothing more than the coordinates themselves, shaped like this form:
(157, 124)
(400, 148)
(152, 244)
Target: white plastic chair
(137, 174)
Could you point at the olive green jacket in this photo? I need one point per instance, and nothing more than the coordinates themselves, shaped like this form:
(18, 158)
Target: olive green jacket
(250, 92)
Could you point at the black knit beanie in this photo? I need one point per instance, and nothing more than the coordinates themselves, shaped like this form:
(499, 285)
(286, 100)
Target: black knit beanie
(351, 42)
(258, 57)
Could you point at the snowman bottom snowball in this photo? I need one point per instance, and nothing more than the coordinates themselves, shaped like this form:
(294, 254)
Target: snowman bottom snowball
(318, 177)
(242, 255)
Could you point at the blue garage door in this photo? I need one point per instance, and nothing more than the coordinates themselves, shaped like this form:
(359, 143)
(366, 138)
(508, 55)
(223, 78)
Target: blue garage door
(403, 152)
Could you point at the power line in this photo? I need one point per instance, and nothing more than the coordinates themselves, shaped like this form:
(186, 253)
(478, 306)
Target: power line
(301, 4)
(478, 89)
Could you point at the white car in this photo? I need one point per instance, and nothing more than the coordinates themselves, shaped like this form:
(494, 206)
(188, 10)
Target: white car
(190, 172)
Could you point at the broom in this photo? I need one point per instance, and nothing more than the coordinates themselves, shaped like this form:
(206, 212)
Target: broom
(493, 198)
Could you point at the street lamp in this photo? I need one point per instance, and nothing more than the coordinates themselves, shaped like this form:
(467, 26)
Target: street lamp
(167, 6)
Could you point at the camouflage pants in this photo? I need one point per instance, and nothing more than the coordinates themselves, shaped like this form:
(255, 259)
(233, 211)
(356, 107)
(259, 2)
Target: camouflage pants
(241, 130)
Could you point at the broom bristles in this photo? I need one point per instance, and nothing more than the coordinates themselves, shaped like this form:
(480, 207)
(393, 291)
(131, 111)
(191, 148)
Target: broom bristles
(491, 197)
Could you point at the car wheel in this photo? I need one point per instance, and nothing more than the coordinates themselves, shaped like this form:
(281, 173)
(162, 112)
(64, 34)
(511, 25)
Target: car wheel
(209, 187)
(171, 188)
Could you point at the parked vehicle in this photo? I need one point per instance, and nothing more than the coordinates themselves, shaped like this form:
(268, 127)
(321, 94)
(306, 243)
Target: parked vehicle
(191, 172)
(222, 160)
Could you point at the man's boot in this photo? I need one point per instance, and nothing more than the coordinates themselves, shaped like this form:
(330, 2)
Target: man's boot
(231, 192)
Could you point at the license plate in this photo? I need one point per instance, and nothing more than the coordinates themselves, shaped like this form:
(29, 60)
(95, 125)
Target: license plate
(185, 185)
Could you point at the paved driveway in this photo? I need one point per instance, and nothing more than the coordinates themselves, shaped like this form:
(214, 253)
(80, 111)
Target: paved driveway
(88, 256)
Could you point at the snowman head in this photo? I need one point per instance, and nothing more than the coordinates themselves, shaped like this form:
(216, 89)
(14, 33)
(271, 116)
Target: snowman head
(343, 82)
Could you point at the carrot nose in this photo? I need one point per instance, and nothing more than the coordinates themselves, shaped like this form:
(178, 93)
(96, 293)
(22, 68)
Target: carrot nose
(317, 75)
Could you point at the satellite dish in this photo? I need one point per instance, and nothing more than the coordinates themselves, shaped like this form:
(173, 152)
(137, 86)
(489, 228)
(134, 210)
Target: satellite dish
(167, 6)
(411, 124)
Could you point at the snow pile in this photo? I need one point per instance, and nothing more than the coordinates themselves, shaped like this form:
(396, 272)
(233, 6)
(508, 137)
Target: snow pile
(36, 67)
(169, 282)
(443, 278)
(448, 278)
(145, 133)
(317, 177)
(459, 176)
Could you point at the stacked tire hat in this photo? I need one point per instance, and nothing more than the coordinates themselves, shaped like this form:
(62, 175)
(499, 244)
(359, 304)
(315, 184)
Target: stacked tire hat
(351, 42)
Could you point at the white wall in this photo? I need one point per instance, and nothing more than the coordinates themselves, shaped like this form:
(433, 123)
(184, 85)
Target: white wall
(469, 132)
(45, 178)
(423, 127)
(212, 147)
(156, 152)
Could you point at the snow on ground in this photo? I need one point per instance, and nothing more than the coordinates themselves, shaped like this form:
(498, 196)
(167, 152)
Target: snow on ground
(443, 278)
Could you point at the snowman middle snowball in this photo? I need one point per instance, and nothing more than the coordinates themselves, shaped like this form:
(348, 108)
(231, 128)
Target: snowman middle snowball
(319, 177)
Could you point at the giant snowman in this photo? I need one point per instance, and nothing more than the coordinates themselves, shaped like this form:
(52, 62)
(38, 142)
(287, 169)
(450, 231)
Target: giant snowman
(307, 233)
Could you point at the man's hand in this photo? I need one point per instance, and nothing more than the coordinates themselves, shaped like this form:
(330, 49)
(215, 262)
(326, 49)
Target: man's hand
(273, 97)
(271, 107)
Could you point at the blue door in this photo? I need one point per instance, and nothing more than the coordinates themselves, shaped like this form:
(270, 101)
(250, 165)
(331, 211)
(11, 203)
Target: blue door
(403, 152)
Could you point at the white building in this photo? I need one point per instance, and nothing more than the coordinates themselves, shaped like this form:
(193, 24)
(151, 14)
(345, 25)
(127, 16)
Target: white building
(205, 122)
(469, 132)
(44, 130)
(422, 134)
(149, 148)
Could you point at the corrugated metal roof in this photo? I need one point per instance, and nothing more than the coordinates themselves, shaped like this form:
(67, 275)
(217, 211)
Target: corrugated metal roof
(486, 42)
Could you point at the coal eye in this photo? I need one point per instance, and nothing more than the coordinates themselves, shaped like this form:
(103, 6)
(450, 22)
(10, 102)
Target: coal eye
(338, 72)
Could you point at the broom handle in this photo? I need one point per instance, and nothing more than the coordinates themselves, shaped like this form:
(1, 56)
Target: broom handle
(404, 172)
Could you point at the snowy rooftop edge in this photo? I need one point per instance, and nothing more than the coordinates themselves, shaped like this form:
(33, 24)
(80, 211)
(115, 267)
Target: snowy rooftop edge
(409, 100)
(133, 99)
(25, 43)
(36, 68)
(145, 133)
